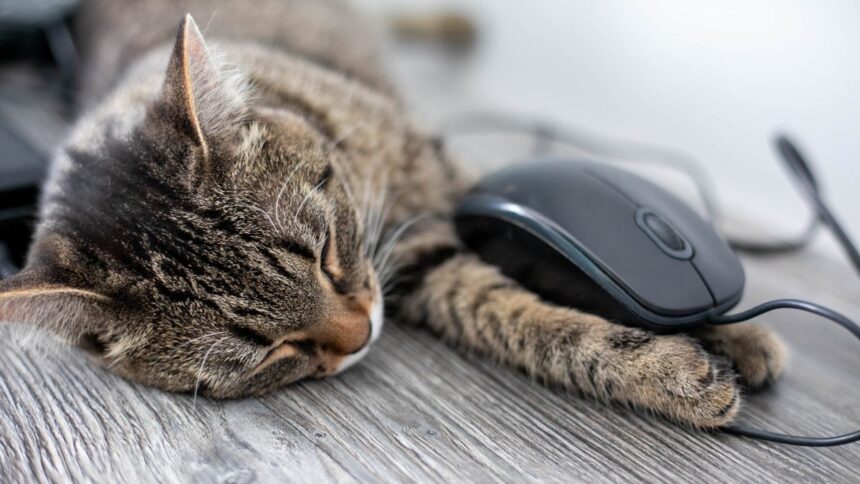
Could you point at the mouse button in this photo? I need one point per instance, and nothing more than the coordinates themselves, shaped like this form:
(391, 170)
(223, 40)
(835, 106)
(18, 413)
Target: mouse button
(663, 231)
(714, 261)
(663, 234)
(721, 270)
(659, 283)
(712, 258)
(605, 229)
(644, 193)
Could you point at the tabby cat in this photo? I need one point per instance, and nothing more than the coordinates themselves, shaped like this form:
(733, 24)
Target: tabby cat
(212, 224)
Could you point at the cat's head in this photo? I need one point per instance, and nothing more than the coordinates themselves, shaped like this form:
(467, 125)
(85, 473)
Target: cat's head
(214, 245)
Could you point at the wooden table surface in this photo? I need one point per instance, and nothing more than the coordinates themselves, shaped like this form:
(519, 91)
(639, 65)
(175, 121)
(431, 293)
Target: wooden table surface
(416, 410)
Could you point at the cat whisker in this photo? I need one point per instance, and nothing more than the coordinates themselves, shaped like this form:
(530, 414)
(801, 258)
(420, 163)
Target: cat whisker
(384, 212)
(389, 280)
(278, 203)
(387, 267)
(200, 370)
(389, 285)
(281, 192)
(187, 342)
(384, 255)
(209, 23)
(379, 213)
(350, 195)
(368, 185)
(375, 232)
(266, 214)
(389, 275)
(374, 218)
(308, 197)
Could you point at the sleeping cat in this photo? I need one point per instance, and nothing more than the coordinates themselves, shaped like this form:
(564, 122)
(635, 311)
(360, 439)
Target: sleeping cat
(228, 214)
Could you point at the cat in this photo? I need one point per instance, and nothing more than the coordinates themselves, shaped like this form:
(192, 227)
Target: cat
(227, 214)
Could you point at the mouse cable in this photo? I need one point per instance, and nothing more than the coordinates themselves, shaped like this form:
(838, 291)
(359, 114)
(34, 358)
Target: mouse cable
(546, 132)
(803, 174)
(799, 168)
(809, 307)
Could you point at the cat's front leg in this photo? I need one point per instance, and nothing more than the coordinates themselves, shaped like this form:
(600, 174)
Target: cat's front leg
(472, 304)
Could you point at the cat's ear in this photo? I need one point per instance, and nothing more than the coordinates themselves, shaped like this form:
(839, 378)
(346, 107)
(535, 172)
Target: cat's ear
(205, 98)
(37, 297)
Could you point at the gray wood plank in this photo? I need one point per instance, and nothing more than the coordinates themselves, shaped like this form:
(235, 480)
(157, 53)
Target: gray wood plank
(417, 410)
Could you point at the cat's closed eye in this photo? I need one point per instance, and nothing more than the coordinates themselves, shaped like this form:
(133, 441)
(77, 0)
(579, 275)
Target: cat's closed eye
(298, 249)
(250, 335)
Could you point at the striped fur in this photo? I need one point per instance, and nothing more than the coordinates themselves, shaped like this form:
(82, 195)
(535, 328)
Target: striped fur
(225, 217)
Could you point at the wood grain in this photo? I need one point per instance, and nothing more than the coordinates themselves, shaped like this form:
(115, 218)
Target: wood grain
(417, 410)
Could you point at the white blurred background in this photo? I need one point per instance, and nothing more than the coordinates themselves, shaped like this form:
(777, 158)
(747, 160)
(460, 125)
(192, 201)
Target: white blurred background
(714, 80)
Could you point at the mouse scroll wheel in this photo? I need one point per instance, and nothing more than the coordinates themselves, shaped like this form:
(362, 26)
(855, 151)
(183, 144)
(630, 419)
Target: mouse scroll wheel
(664, 232)
(663, 235)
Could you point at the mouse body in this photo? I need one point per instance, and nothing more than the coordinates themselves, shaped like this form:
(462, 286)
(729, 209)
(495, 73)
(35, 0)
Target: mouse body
(601, 239)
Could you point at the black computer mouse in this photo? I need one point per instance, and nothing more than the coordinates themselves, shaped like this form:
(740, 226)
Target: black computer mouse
(601, 239)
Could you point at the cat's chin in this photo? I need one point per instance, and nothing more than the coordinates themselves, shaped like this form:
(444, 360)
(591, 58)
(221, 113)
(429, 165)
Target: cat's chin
(377, 318)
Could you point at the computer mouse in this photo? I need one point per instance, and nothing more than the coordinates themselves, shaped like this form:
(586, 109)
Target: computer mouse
(601, 239)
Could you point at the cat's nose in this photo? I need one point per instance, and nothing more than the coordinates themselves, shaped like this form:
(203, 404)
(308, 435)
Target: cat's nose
(353, 324)
(366, 340)
(346, 331)
(328, 343)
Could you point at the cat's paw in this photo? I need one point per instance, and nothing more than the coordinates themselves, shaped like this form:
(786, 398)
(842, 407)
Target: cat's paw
(757, 354)
(694, 387)
(668, 374)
